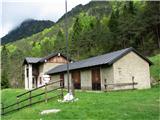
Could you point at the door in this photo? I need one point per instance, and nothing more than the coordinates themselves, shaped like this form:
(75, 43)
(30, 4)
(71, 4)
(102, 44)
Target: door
(96, 79)
(62, 78)
(76, 79)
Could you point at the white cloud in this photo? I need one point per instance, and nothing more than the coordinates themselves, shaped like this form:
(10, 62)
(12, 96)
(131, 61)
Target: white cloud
(16, 11)
(5, 29)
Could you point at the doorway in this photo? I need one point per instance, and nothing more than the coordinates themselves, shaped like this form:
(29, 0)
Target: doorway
(76, 79)
(62, 78)
(96, 79)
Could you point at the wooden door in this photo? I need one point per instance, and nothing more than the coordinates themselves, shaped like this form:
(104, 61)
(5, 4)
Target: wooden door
(62, 78)
(96, 79)
(76, 79)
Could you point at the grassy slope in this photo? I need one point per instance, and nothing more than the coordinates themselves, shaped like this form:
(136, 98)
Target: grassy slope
(155, 69)
(130, 105)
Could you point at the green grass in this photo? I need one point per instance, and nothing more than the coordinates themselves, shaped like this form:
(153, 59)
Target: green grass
(122, 105)
(155, 69)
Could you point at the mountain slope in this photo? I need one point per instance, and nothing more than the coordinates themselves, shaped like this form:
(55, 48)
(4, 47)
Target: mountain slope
(26, 28)
(95, 8)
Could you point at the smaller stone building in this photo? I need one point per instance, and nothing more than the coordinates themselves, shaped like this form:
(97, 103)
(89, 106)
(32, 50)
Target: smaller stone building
(34, 69)
(123, 69)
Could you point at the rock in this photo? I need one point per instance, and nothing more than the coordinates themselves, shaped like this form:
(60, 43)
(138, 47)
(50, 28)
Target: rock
(68, 98)
(50, 111)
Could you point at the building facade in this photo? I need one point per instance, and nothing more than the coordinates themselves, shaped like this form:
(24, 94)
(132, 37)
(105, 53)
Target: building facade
(123, 69)
(34, 69)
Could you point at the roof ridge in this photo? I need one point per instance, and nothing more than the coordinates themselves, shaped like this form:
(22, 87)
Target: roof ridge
(105, 54)
(33, 57)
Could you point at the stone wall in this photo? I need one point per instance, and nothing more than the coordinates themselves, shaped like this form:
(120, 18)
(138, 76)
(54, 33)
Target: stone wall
(129, 66)
(108, 77)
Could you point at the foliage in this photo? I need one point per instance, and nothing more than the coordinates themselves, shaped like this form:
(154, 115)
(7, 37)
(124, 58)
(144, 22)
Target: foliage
(155, 68)
(124, 105)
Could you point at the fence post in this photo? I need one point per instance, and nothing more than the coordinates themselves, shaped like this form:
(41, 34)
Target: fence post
(30, 99)
(133, 82)
(61, 90)
(17, 103)
(45, 92)
(105, 84)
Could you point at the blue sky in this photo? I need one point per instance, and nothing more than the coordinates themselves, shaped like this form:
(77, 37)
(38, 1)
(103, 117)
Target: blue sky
(13, 12)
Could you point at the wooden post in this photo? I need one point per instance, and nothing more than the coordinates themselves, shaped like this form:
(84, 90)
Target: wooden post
(133, 81)
(61, 90)
(17, 103)
(105, 84)
(30, 99)
(45, 92)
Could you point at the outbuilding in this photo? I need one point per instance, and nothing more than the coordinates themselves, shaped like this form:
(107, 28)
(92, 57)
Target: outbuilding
(123, 69)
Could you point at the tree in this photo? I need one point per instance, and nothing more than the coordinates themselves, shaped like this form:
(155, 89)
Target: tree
(16, 68)
(47, 45)
(152, 18)
(76, 38)
(60, 42)
(4, 68)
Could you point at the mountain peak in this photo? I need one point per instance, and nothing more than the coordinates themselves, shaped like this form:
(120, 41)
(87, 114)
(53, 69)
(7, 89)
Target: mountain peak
(27, 28)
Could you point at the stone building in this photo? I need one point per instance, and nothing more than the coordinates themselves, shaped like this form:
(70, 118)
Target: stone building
(123, 69)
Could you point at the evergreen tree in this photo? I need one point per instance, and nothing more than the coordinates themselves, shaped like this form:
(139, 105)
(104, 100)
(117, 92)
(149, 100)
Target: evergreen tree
(60, 42)
(76, 38)
(4, 68)
(152, 18)
(16, 65)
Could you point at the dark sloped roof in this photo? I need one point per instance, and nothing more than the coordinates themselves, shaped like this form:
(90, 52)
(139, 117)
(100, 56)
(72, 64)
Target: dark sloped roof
(52, 55)
(108, 59)
(32, 60)
(41, 60)
(47, 57)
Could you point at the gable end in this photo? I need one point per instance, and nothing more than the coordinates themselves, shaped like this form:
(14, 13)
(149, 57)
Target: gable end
(126, 52)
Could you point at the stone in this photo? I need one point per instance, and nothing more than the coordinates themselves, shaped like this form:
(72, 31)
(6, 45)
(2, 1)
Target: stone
(50, 111)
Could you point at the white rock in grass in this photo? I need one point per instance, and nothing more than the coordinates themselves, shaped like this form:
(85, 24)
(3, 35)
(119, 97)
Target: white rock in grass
(68, 98)
(50, 111)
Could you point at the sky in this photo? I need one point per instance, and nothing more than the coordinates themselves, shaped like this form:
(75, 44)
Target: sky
(14, 12)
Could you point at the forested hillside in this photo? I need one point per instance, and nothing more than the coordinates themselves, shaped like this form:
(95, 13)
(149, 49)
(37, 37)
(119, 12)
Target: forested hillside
(26, 28)
(95, 28)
